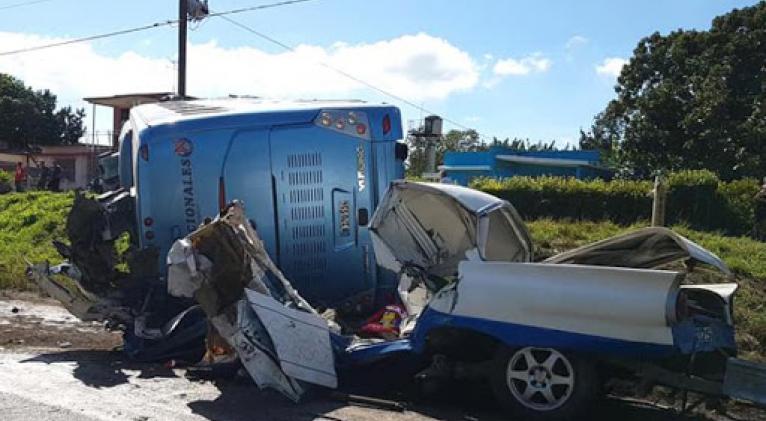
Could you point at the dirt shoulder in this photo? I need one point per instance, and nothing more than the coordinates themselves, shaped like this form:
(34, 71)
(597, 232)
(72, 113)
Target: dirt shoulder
(28, 321)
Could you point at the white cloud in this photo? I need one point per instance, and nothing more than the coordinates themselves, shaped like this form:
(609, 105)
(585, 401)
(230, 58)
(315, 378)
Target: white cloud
(575, 41)
(418, 67)
(611, 66)
(533, 63)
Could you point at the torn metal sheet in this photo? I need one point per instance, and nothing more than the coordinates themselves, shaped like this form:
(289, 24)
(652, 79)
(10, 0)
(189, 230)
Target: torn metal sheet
(645, 248)
(279, 337)
(81, 303)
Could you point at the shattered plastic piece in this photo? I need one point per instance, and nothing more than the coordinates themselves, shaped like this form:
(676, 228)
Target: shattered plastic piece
(182, 252)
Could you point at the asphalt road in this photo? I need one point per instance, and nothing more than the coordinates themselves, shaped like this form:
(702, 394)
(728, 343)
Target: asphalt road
(15, 408)
(85, 385)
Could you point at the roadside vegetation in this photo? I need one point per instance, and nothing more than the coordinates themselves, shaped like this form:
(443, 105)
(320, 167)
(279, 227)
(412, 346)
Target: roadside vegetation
(696, 198)
(30, 221)
(28, 224)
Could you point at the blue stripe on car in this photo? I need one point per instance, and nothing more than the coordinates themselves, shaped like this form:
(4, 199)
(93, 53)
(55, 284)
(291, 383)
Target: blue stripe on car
(520, 335)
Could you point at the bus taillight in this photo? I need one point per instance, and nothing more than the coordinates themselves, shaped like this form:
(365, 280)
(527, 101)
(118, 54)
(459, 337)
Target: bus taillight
(386, 124)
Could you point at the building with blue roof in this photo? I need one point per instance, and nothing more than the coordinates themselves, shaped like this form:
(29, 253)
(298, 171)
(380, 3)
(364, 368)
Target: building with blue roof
(499, 162)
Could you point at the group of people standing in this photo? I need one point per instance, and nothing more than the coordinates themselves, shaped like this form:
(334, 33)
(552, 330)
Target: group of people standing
(49, 179)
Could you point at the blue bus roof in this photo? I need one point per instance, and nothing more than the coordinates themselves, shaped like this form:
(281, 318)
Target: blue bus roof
(174, 112)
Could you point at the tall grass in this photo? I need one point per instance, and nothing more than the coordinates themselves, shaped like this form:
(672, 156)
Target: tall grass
(28, 224)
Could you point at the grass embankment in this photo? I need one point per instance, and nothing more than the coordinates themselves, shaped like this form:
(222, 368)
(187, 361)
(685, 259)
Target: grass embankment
(30, 221)
(28, 224)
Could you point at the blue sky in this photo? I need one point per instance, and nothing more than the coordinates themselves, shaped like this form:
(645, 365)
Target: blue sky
(540, 70)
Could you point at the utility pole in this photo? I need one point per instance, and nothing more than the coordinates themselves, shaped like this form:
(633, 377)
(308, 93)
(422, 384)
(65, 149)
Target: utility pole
(195, 10)
(183, 16)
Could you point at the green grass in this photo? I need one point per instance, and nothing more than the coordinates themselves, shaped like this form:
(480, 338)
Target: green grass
(28, 224)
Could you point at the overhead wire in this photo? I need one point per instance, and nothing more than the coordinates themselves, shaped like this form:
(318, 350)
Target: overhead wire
(346, 74)
(89, 38)
(225, 15)
(137, 29)
(259, 7)
(26, 3)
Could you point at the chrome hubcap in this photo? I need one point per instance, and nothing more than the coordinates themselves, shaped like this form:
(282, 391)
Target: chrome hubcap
(540, 378)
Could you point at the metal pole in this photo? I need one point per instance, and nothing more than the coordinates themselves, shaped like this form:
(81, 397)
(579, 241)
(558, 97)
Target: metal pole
(183, 13)
(93, 129)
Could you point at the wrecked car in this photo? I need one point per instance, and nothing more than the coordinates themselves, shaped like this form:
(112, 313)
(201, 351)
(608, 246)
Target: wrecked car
(546, 336)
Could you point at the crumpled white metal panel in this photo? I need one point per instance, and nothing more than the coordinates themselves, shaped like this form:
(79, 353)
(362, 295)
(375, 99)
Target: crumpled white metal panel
(301, 340)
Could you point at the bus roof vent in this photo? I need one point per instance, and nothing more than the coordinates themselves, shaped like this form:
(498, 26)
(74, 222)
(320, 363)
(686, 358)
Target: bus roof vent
(191, 108)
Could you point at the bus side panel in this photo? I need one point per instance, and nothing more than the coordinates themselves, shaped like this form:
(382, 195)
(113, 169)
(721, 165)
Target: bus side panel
(178, 185)
(248, 177)
(319, 193)
(387, 169)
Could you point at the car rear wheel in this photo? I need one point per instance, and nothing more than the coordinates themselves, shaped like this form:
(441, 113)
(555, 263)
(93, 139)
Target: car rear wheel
(543, 383)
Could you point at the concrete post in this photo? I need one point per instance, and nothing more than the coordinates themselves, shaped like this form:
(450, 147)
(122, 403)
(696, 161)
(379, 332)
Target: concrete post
(659, 204)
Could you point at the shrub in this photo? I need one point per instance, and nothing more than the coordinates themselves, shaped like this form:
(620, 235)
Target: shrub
(5, 177)
(695, 198)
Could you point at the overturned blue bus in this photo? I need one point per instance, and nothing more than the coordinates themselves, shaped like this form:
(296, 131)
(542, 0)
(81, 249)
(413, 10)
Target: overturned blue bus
(309, 172)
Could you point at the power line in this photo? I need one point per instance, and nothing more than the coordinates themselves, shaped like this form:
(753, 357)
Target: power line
(260, 7)
(344, 73)
(90, 38)
(137, 29)
(26, 3)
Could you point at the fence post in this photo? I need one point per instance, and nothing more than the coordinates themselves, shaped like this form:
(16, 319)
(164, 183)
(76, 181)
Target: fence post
(659, 204)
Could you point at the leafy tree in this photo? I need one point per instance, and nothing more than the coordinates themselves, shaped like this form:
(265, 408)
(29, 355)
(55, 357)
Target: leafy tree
(525, 144)
(29, 117)
(691, 100)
